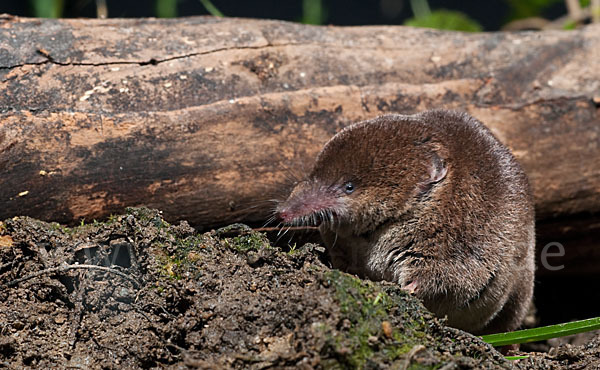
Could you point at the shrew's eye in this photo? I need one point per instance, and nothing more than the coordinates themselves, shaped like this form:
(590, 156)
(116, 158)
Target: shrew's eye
(348, 188)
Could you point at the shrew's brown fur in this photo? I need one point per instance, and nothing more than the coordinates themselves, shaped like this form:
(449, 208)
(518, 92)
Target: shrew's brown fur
(434, 202)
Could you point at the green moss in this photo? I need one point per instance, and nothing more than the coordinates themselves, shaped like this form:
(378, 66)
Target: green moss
(367, 306)
(55, 226)
(84, 227)
(171, 267)
(187, 252)
(147, 215)
(252, 241)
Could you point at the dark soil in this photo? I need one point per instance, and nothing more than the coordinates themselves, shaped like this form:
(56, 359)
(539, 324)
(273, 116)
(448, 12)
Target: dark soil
(136, 292)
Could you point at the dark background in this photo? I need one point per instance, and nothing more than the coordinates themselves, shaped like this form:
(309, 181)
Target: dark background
(491, 14)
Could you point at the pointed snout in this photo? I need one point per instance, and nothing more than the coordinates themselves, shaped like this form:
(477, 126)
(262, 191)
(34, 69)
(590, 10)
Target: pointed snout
(286, 215)
(308, 201)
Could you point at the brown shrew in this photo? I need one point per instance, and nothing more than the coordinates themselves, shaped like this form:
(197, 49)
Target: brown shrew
(433, 202)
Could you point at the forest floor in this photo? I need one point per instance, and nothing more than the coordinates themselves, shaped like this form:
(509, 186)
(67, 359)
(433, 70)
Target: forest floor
(137, 292)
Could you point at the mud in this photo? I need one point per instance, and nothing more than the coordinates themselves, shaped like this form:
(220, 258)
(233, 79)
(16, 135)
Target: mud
(137, 292)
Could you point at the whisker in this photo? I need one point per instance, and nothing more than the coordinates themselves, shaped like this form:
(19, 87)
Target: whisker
(280, 230)
(281, 236)
(246, 206)
(287, 170)
(269, 220)
(291, 237)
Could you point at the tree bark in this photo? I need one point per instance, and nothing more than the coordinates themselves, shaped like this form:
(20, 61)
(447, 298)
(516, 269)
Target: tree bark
(205, 118)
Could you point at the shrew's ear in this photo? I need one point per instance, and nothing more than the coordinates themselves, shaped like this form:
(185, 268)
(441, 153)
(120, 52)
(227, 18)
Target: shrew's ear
(436, 172)
(437, 169)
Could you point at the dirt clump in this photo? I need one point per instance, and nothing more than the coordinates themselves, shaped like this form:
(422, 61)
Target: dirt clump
(138, 292)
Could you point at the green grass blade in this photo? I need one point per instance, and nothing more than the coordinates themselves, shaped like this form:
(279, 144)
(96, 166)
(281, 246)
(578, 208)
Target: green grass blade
(313, 12)
(47, 8)
(208, 5)
(166, 8)
(513, 358)
(543, 333)
(420, 8)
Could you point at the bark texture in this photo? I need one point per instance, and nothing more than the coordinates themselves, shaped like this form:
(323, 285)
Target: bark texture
(205, 118)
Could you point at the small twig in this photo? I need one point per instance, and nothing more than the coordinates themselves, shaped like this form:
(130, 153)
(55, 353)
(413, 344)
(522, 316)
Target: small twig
(410, 355)
(141, 312)
(179, 348)
(73, 267)
(138, 294)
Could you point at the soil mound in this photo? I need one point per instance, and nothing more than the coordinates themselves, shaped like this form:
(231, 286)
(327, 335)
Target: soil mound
(137, 292)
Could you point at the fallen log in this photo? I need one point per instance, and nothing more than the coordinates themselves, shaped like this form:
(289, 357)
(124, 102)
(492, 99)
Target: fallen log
(204, 118)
